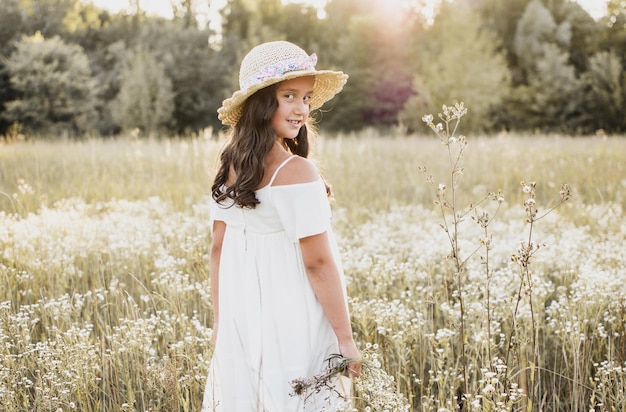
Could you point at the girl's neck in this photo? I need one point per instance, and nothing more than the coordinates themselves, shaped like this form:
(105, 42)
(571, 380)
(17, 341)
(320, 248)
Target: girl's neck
(279, 147)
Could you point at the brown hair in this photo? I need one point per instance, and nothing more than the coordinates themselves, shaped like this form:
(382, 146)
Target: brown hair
(250, 140)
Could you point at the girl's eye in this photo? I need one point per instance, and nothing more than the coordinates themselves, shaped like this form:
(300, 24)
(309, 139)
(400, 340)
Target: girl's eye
(307, 99)
(289, 96)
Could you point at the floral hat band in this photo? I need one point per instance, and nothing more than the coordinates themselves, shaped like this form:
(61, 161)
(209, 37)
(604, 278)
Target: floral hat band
(280, 68)
(271, 63)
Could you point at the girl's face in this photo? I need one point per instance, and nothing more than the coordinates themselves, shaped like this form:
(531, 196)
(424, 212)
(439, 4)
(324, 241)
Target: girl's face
(293, 106)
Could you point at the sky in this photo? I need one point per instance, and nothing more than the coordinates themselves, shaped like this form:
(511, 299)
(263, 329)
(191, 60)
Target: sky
(596, 8)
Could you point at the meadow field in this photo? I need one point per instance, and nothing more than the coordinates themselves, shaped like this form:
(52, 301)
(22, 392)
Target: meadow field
(462, 286)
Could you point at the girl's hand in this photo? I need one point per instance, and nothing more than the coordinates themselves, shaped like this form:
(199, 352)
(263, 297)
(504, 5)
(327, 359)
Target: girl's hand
(349, 350)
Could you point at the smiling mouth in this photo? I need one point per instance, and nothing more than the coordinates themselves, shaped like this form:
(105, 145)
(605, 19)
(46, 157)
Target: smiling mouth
(295, 122)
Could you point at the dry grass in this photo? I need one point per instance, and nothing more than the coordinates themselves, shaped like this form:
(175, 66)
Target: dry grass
(104, 293)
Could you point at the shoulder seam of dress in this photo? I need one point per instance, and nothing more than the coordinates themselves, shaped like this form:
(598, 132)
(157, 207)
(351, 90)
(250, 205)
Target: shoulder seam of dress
(280, 166)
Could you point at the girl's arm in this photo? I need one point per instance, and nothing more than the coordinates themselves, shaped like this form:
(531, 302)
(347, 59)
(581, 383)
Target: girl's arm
(217, 237)
(326, 282)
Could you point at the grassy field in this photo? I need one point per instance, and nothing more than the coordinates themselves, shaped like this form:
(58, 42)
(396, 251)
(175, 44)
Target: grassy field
(105, 300)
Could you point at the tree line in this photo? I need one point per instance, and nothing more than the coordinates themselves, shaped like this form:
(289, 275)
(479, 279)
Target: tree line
(69, 68)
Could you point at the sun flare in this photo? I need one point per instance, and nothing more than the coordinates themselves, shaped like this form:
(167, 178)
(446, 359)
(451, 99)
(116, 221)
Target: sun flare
(386, 8)
(391, 6)
(164, 8)
(429, 8)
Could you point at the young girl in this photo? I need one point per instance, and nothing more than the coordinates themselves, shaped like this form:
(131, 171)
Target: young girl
(279, 300)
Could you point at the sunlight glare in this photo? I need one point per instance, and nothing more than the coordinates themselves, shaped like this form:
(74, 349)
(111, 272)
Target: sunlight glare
(429, 8)
(391, 8)
(395, 9)
(164, 7)
(596, 8)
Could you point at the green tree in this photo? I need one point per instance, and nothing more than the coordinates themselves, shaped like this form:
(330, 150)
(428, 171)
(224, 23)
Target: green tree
(346, 111)
(615, 8)
(551, 97)
(184, 12)
(145, 99)
(535, 28)
(11, 29)
(300, 25)
(197, 72)
(53, 84)
(92, 27)
(108, 42)
(583, 31)
(556, 90)
(605, 97)
(236, 17)
(269, 11)
(11, 25)
(6, 94)
(379, 82)
(615, 34)
(502, 17)
(374, 50)
(460, 62)
(565, 24)
(107, 64)
(81, 18)
(49, 17)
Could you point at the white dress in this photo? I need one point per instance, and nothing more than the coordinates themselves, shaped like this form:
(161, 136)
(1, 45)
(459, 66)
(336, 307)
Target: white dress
(272, 328)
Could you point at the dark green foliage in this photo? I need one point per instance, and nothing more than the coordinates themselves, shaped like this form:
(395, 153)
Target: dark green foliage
(502, 17)
(605, 92)
(549, 64)
(461, 61)
(196, 72)
(584, 33)
(145, 97)
(615, 35)
(54, 89)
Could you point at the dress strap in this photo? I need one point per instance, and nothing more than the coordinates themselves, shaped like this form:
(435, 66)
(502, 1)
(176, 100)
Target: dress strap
(280, 166)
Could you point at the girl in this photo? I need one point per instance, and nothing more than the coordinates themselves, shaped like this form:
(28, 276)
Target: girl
(279, 300)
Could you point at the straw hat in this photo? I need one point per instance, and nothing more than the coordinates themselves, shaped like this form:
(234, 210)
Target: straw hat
(271, 63)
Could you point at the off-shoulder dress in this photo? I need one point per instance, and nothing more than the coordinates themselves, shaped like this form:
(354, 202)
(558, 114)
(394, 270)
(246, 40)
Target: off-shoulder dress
(272, 328)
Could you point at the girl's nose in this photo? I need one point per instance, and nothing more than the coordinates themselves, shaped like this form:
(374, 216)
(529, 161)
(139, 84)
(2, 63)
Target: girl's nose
(302, 107)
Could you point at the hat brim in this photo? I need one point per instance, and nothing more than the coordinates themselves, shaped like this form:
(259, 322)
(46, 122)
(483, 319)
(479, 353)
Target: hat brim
(327, 84)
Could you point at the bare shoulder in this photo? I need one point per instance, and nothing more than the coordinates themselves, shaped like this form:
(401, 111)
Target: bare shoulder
(297, 170)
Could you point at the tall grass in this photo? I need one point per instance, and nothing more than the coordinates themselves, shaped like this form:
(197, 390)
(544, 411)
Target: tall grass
(175, 170)
(104, 292)
(369, 172)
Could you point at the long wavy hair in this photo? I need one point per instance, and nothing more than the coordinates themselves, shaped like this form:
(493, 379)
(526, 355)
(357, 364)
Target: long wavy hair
(249, 142)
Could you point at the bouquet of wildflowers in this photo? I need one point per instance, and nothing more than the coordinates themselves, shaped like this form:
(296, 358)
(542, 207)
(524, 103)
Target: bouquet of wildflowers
(375, 390)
